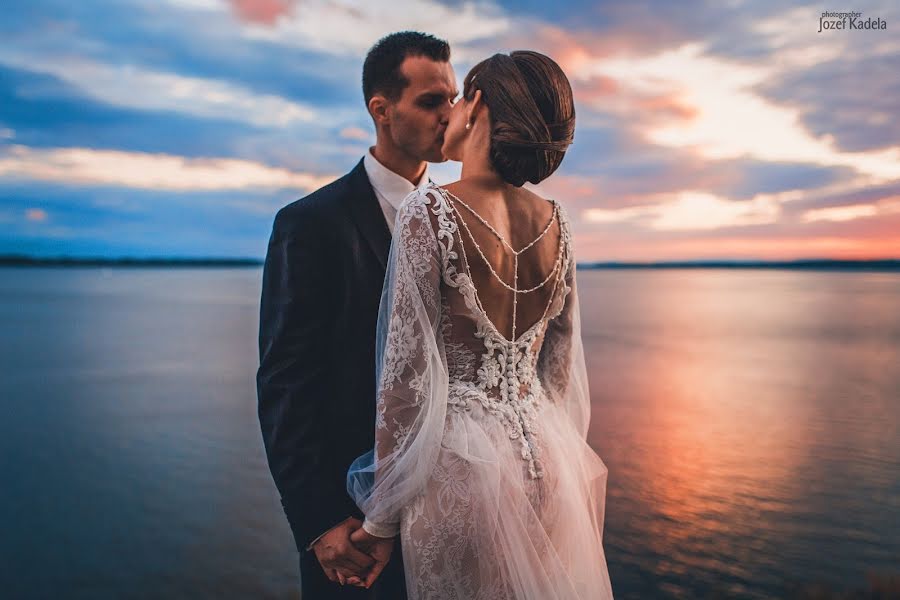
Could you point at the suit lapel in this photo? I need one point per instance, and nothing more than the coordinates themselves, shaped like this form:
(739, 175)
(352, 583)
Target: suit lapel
(366, 211)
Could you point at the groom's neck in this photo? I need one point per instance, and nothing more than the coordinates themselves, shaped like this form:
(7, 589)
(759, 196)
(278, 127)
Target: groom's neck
(399, 162)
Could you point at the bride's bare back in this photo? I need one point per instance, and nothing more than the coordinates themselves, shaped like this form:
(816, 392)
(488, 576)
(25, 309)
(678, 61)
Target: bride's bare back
(520, 217)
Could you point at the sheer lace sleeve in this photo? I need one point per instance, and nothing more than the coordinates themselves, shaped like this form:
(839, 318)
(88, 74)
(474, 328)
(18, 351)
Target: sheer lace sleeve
(561, 365)
(411, 375)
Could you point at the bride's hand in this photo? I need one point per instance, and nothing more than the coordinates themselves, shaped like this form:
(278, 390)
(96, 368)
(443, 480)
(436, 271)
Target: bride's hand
(378, 548)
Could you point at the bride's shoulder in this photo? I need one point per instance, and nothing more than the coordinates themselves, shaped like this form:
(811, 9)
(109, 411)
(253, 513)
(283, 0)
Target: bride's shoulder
(421, 196)
(426, 201)
(423, 204)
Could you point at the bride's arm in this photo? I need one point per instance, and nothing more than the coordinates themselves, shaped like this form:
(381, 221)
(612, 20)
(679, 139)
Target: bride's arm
(561, 365)
(411, 390)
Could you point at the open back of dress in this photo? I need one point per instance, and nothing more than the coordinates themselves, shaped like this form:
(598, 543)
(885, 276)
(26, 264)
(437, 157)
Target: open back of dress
(516, 279)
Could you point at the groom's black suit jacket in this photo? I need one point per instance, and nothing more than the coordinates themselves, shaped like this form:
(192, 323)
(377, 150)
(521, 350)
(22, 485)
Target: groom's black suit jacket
(322, 284)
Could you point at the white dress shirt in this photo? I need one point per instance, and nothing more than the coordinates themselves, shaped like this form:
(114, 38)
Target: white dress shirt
(390, 189)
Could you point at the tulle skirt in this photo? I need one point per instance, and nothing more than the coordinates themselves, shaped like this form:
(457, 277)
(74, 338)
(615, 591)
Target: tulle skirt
(484, 529)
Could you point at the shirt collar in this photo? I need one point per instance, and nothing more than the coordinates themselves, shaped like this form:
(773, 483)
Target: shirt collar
(393, 187)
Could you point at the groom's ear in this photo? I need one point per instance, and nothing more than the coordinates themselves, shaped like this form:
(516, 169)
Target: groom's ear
(378, 108)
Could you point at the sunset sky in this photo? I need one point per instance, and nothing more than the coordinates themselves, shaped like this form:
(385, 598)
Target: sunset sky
(711, 130)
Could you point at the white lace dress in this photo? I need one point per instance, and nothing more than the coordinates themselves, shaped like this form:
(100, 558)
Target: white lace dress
(480, 461)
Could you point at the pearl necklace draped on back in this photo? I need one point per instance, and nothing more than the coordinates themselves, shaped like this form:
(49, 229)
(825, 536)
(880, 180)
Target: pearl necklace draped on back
(513, 288)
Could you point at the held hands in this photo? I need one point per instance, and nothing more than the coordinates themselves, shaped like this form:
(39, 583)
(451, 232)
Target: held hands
(337, 555)
(350, 554)
(378, 548)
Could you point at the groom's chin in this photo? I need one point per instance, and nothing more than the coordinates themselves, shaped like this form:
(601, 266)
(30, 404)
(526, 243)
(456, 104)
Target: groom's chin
(436, 157)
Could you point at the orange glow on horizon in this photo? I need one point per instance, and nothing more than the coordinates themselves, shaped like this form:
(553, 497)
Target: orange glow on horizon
(740, 248)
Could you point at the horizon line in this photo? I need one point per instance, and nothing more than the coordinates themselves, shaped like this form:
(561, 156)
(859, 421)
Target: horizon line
(23, 260)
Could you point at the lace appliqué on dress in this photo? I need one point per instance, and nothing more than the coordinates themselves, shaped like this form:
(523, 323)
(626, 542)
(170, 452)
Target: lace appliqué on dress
(404, 338)
(505, 365)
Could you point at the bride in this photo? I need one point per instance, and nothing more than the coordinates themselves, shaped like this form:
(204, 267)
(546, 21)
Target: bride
(480, 463)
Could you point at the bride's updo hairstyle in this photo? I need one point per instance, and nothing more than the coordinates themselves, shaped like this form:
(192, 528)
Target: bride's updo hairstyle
(532, 113)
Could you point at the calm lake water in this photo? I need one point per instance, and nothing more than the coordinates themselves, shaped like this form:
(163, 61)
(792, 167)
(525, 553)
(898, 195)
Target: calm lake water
(750, 420)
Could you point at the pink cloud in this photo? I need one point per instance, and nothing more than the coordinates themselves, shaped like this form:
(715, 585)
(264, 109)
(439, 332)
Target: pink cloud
(667, 107)
(36, 214)
(356, 133)
(263, 12)
(865, 238)
(573, 48)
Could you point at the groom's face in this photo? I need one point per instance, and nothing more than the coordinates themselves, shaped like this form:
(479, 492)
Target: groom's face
(419, 117)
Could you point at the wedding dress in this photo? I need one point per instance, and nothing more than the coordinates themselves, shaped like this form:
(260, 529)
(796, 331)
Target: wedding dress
(480, 462)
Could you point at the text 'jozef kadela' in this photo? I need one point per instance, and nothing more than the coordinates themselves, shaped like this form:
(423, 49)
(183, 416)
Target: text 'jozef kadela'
(849, 20)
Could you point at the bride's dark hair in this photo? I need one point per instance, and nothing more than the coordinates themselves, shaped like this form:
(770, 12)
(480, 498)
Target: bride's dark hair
(532, 113)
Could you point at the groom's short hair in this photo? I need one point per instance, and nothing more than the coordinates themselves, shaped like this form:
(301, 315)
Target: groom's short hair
(381, 70)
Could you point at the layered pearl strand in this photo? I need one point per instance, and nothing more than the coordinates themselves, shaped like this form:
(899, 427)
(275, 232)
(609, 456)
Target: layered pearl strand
(514, 287)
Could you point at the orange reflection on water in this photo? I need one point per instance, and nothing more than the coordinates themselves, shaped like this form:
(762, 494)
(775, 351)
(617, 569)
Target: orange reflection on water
(712, 385)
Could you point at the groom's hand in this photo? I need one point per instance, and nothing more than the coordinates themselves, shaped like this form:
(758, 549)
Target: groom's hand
(379, 548)
(338, 556)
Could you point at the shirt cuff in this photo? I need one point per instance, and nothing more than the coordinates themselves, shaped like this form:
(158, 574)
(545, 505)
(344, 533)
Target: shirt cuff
(382, 530)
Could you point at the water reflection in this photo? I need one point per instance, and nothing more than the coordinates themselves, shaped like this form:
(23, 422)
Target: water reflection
(749, 420)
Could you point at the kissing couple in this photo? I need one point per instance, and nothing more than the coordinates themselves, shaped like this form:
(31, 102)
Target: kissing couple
(422, 388)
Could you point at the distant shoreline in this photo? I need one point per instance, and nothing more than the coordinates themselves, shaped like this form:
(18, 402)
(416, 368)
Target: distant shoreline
(889, 264)
(72, 261)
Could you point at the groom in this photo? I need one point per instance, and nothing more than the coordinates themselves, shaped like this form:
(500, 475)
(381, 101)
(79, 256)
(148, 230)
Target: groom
(322, 284)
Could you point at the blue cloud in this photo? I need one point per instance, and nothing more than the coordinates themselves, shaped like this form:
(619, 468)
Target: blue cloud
(45, 112)
(856, 100)
(189, 44)
(122, 221)
(757, 177)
